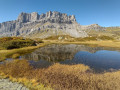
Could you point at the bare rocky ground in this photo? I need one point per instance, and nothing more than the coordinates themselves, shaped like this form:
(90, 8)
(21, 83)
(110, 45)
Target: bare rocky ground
(6, 84)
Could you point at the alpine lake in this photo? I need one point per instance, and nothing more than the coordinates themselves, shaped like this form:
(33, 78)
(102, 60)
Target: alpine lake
(99, 59)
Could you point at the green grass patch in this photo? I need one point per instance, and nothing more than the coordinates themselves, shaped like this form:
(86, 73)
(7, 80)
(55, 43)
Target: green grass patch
(95, 38)
(15, 42)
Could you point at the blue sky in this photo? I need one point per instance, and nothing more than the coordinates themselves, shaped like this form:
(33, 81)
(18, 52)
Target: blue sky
(102, 12)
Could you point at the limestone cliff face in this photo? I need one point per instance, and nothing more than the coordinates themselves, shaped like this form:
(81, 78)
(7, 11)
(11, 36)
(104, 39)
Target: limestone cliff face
(44, 25)
(54, 17)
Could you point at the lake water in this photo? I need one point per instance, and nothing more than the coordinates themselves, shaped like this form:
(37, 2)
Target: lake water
(98, 58)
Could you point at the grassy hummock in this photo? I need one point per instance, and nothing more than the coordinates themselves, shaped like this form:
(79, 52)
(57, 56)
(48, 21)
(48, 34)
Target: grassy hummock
(15, 42)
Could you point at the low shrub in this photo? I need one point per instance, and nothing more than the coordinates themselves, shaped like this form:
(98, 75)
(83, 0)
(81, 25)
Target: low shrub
(14, 56)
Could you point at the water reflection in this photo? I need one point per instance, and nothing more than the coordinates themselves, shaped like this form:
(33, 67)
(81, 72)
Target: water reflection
(56, 53)
(98, 58)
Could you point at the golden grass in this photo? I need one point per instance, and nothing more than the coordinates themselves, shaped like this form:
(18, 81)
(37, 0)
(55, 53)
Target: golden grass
(60, 77)
(22, 72)
(105, 43)
(15, 56)
(111, 32)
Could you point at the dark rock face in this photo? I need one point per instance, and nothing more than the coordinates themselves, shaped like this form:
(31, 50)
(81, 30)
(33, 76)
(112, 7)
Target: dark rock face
(56, 23)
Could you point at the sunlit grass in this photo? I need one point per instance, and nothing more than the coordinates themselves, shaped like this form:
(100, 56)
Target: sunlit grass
(59, 76)
(22, 72)
(104, 43)
(15, 42)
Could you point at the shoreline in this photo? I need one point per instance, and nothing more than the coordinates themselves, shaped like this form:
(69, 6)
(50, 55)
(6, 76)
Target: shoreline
(9, 53)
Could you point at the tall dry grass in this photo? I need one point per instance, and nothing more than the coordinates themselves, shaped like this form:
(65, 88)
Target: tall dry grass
(60, 77)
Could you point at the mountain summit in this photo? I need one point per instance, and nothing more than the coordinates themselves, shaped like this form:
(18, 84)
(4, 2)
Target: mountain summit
(53, 17)
(42, 26)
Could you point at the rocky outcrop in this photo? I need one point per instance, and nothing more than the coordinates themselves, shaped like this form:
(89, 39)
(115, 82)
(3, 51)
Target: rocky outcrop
(92, 27)
(6, 84)
(44, 25)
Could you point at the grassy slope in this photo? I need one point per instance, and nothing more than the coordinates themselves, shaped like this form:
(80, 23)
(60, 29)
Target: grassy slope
(112, 32)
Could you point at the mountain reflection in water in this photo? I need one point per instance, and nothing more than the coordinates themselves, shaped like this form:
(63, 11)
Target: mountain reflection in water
(98, 58)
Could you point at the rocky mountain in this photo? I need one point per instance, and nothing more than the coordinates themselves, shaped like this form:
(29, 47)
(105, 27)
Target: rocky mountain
(92, 27)
(45, 25)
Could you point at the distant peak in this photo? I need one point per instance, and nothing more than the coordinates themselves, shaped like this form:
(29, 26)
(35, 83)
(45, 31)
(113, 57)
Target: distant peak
(95, 24)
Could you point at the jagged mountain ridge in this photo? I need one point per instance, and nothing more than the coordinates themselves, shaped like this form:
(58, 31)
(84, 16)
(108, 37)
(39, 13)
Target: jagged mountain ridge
(44, 25)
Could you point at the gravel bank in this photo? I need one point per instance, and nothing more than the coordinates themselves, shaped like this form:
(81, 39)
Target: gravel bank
(6, 84)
